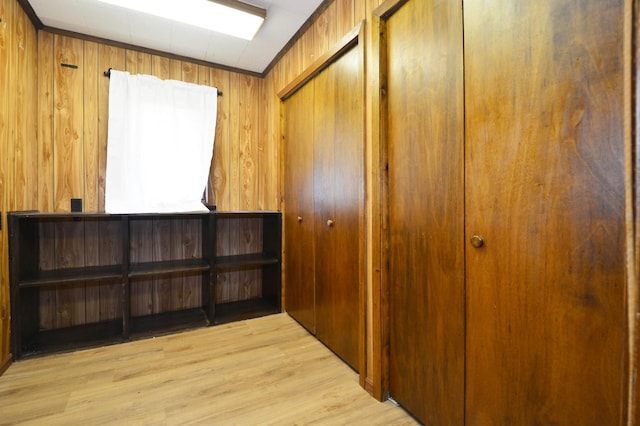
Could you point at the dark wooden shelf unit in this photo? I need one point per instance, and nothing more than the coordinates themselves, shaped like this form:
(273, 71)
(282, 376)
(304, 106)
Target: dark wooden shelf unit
(52, 254)
(266, 257)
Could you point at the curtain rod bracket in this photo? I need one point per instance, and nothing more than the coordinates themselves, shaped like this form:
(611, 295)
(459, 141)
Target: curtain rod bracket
(107, 74)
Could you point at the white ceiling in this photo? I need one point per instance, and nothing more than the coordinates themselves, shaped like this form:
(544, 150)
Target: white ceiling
(284, 18)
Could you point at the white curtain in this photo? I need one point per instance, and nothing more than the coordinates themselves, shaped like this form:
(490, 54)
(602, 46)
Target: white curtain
(160, 144)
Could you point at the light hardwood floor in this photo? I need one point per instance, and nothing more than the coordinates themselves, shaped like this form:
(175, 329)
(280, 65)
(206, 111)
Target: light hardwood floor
(258, 372)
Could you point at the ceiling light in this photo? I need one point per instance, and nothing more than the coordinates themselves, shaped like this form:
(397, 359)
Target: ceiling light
(230, 17)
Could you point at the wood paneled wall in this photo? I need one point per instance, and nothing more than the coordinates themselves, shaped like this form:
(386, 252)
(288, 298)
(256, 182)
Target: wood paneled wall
(18, 172)
(338, 19)
(73, 113)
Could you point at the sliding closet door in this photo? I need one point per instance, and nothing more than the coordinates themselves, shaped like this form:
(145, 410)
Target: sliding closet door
(545, 192)
(339, 200)
(299, 210)
(425, 149)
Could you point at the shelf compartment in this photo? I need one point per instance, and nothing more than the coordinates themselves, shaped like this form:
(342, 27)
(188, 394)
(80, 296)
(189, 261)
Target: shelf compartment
(61, 277)
(73, 338)
(167, 323)
(168, 267)
(244, 309)
(245, 261)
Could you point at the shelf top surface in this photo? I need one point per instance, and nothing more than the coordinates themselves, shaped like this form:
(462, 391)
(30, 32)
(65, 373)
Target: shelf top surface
(102, 215)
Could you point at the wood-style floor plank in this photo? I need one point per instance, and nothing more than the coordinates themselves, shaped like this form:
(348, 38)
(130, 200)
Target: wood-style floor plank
(265, 371)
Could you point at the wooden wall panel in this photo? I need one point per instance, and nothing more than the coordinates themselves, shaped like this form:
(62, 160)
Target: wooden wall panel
(218, 176)
(45, 122)
(248, 133)
(345, 16)
(18, 146)
(325, 30)
(24, 134)
(68, 121)
(5, 41)
(91, 152)
(91, 168)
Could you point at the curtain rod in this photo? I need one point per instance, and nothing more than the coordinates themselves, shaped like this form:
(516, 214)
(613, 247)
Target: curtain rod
(107, 74)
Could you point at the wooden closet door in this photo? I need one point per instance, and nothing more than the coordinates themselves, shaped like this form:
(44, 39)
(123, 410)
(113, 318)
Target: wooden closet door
(545, 190)
(425, 153)
(338, 188)
(299, 208)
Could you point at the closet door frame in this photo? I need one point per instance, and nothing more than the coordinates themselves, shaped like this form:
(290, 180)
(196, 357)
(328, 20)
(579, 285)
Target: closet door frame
(352, 40)
(379, 196)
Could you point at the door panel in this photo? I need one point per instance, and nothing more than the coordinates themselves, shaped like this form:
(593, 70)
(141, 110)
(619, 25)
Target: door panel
(425, 152)
(544, 187)
(339, 157)
(299, 209)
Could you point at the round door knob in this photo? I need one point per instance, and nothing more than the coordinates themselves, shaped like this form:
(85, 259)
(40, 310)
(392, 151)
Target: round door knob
(330, 223)
(477, 241)
(299, 218)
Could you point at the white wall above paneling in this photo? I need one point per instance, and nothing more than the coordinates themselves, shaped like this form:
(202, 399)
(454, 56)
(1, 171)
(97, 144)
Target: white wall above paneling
(94, 18)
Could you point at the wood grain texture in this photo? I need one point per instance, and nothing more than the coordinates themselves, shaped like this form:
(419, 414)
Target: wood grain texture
(426, 211)
(68, 122)
(48, 296)
(547, 289)
(110, 253)
(12, 56)
(339, 197)
(377, 336)
(218, 176)
(324, 184)
(140, 251)
(45, 120)
(91, 152)
(5, 87)
(206, 376)
(225, 282)
(632, 15)
(313, 45)
(345, 16)
(91, 170)
(299, 223)
(18, 147)
(24, 133)
(324, 31)
(235, 131)
(69, 252)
